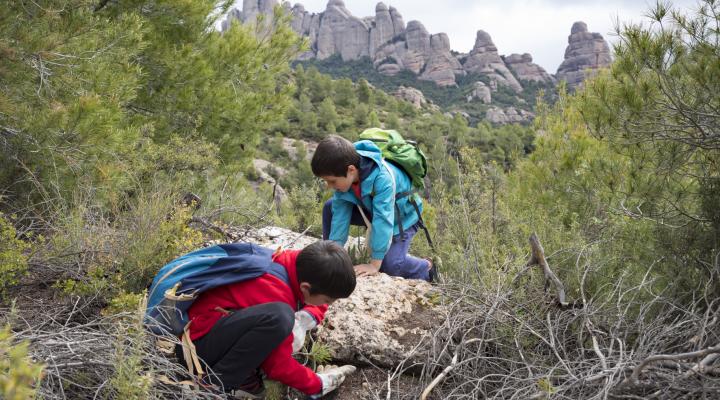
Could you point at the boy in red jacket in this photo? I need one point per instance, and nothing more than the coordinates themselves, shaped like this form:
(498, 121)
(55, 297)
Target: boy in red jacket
(257, 324)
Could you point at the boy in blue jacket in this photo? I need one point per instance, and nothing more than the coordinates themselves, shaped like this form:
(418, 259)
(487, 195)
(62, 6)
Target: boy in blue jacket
(365, 194)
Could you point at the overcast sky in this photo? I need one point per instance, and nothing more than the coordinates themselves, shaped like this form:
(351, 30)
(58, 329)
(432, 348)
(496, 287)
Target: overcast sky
(538, 27)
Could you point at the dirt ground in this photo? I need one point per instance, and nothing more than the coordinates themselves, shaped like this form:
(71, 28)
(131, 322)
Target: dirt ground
(371, 384)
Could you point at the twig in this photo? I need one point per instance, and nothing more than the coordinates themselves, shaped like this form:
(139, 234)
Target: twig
(447, 370)
(538, 258)
(672, 357)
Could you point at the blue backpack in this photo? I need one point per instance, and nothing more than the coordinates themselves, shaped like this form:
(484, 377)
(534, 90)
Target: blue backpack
(179, 283)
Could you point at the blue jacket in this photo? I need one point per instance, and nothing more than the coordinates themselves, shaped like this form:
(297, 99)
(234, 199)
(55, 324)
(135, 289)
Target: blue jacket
(378, 196)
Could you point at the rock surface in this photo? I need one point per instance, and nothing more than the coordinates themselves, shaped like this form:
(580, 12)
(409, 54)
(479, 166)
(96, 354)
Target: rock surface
(525, 69)
(391, 45)
(411, 95)
(509, 115)
(382, 320)
(484, 59)
(585, 51)
(480, 92)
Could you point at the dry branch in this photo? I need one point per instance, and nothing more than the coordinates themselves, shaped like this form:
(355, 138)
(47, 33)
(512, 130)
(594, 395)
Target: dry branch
(672, 357)
(537, 257)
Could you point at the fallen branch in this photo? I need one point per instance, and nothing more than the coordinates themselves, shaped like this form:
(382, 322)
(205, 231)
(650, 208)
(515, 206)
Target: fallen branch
(672, 357)
(446, 371)
(538, 258)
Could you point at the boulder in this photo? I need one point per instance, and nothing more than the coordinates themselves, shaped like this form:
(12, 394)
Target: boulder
(586, 53)
(484, 59)
(480, 92)
(411, 95)
(510, 115)
(525, 69)
(261, 167)
(289, 145)
(382, 321)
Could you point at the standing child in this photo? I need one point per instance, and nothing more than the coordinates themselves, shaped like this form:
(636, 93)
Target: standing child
(240, 329)
(366, 187)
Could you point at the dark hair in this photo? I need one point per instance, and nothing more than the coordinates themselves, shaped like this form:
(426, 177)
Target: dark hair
(327, 267)
(333, 156)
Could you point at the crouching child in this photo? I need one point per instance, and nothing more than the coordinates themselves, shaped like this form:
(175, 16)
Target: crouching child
(252, 326)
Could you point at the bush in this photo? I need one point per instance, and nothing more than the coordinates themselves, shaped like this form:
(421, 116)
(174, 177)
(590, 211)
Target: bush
(13, 261)
(18, 373)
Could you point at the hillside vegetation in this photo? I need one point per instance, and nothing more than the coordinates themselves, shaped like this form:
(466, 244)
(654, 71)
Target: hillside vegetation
(111, 113)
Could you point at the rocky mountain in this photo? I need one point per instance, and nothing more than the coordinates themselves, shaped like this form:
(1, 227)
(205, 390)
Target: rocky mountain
(585, 51)
(392, 46)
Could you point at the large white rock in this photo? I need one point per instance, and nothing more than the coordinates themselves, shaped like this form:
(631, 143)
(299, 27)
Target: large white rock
(382, 321)
(525, 69)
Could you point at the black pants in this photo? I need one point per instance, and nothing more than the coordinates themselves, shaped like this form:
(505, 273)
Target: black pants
(237, 344)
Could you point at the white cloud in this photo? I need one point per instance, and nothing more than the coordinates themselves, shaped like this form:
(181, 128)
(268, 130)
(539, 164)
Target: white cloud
(538, 27)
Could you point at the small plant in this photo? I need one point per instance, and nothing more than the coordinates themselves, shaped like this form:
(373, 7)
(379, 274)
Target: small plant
(319, 354)
(13, 262)
(18, 373)
(131, 380)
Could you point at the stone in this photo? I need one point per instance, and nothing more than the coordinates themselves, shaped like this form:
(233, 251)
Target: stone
(480, 92)
(382, 321)
(261, 167)
(484, 59)
(411, 95)
(274, 237)
(525, 69)
(510, 115)
(586, 53)
(288, 145)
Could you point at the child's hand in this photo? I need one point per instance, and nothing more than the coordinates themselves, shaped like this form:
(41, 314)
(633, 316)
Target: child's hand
(367, 269)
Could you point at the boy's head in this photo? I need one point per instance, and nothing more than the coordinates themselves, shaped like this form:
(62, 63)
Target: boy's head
(336, 162)
(325, 273)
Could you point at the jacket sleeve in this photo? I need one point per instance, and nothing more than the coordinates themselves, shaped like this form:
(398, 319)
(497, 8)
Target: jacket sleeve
(281, 366)
(340, 226)
(318, 312)
(383, 204)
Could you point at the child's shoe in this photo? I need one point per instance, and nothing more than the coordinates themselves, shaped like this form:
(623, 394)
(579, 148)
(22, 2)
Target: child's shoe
(252, 388)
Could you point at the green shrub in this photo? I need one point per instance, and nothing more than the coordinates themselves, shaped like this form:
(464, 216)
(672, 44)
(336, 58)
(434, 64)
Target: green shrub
(18, 373)
(13, 261)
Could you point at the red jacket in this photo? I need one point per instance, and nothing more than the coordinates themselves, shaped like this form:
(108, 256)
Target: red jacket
(279, 365)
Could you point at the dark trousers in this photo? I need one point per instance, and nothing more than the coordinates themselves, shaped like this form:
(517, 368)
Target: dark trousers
(237, 344)
(397, 261)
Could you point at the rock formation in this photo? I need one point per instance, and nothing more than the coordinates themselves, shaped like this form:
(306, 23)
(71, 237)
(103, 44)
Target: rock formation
(381, 322)
(411, 95)
(392, 46)
(525, 69)
(480, 92)
(510, 115)
(484, 59)
(585, 51)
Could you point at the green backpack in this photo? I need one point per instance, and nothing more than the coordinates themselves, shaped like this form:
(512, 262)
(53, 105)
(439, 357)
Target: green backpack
(403, 153)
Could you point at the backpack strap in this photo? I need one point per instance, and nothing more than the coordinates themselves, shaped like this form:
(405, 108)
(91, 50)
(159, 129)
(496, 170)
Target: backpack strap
(190, 353)
(410, 194)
